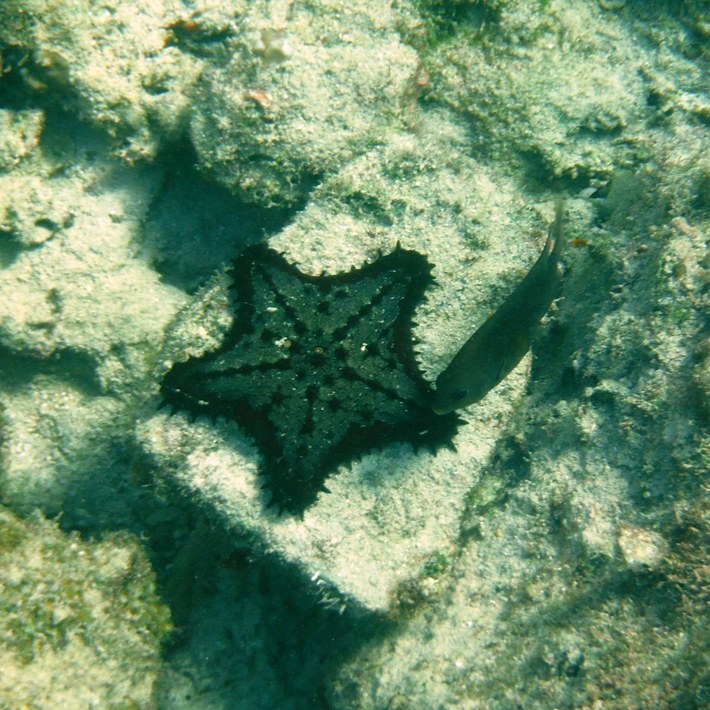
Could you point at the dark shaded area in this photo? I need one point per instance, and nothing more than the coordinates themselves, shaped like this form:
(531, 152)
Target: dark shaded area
(201, 36)
(194, 226)
(224, 596)
(10, 249)
(76, 368)
(308, 642)
(31, 79)
(587, 665)
(444, 18)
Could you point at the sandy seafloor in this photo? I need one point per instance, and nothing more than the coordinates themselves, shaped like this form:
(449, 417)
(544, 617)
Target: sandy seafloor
(557, 558)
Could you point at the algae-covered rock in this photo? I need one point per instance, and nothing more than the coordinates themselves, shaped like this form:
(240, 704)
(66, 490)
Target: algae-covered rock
(307, 88)
(112, 61)
(71, 283)
(583, 541)
(80, 622)
(546, 84)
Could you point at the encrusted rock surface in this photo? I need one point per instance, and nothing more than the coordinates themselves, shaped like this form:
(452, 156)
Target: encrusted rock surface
(558, 557)
(80, 623)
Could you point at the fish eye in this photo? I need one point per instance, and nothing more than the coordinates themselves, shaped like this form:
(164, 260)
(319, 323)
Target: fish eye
(459, 394)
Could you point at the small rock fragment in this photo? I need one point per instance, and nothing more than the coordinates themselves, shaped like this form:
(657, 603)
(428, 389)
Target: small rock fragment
(642, 549)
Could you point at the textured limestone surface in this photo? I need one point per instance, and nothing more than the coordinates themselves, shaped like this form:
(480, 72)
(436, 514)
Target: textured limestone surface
(558, 558)
(82, 316)
(113, 62)
(576, 544)
(305, 89)
(549, 87)
(391, 511)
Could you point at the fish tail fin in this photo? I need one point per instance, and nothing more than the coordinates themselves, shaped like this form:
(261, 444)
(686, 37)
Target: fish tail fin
(553, 245)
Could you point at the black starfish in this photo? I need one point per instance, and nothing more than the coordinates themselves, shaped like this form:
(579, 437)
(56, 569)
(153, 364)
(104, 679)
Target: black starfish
(317, 369)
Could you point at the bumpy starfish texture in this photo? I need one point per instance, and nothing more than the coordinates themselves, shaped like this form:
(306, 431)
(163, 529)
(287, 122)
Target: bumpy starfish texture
(317, 369)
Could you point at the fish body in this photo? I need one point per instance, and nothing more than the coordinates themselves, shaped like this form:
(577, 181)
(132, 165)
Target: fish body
(490, 354)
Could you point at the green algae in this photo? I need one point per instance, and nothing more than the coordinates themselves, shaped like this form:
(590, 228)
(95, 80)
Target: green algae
(67, 600)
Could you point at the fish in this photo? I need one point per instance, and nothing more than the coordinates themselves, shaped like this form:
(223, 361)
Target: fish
(494, 350)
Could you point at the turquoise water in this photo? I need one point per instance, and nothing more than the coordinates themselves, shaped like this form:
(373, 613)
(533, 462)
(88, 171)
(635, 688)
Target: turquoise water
(547, 550)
